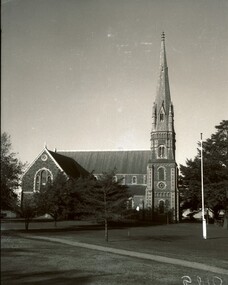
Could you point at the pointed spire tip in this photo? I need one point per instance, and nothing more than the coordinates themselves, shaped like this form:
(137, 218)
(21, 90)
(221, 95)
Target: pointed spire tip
(163, 36)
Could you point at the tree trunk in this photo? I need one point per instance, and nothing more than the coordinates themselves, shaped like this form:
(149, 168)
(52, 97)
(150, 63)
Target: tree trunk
(106, 230)
(225, 223)
(26, 225)
(55, 217)
(105, 215)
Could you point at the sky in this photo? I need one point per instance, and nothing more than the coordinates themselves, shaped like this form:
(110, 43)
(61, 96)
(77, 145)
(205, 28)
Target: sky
(82, 74)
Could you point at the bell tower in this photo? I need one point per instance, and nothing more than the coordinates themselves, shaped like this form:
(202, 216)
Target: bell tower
(162, 192)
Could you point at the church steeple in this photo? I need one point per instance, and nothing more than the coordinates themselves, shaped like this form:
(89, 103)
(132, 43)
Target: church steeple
(163, 133)
(163, 100)
(162, 191)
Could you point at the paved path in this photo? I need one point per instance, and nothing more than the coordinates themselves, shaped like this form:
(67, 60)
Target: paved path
(163, 259)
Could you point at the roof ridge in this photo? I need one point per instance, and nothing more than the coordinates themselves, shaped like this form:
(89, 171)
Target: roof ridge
(89, 150)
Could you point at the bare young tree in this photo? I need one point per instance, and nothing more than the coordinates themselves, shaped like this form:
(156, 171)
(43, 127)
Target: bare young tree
(105, 198)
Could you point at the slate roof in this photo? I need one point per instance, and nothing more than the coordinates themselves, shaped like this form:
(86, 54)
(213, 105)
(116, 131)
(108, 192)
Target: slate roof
(126, 162)
(137, 190)
(69, 165)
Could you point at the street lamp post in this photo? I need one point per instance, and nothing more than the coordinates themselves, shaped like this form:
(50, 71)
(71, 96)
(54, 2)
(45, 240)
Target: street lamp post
(202, 192)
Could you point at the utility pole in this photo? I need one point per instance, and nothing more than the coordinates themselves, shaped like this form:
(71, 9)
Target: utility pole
(202, 191)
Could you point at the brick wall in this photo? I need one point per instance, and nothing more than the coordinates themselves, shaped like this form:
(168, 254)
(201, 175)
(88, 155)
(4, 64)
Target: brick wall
(28, 178)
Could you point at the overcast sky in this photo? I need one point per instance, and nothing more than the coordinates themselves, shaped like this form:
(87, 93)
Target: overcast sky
(82, 74)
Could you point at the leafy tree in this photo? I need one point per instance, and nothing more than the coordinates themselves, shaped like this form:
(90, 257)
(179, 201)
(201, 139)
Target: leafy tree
(104, 198)
(11, 169)
(76, 195)
(215, 164)
(54, 198)
(28, 209)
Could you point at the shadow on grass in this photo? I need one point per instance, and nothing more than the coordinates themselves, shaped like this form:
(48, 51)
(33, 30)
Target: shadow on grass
(217, 238)
(6, 252)
(66, 277)
(161, 238)
(76, 228)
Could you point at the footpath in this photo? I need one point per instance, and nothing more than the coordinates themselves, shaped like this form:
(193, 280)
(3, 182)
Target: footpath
(157, 258)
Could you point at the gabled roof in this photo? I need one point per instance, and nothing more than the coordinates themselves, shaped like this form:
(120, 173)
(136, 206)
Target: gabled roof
(69, 165)
(44, 150)
(125, 162)
(138, 190)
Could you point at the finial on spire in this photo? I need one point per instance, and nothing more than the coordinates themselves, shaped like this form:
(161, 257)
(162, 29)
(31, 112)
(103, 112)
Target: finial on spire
(163, 36)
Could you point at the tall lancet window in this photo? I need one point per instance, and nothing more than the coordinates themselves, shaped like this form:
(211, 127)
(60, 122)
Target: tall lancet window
(161, 206)
(43, 177)
(161, 173)
(161, 151)
(37, 183)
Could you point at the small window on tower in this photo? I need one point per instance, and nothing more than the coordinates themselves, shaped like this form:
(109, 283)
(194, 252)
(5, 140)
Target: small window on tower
(161, 173)
(134, 180)
(161, 206)
(161, 151)
(161, 117)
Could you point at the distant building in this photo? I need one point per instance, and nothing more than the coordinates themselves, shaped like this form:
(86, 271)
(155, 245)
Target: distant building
(150, 174)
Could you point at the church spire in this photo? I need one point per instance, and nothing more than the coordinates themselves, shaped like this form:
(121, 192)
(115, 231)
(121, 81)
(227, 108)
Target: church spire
(162, 168)
(163, 100)
(163, 62)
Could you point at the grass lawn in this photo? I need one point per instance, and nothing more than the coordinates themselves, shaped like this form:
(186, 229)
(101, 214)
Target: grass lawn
(183, 241)
(25, 261)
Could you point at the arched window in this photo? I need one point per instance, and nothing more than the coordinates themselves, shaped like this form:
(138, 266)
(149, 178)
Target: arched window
(37, 183)
(161, 207)
(161, 173)
(134, 180)
(161, 151)
(49, 180)
(42, 178)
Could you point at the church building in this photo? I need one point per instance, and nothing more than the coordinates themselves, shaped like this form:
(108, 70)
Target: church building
(151, 175)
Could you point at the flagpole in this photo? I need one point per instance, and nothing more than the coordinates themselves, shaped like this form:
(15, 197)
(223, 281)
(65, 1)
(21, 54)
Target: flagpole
(202, 191)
